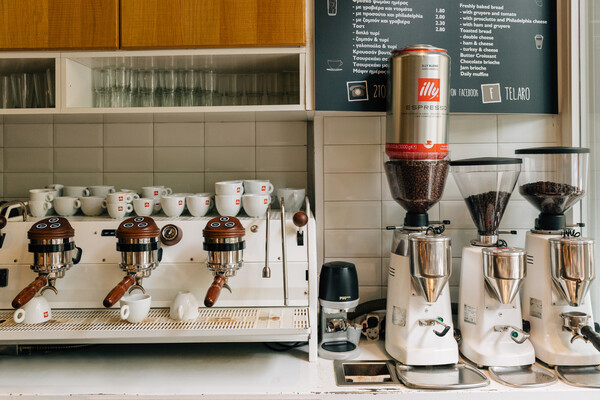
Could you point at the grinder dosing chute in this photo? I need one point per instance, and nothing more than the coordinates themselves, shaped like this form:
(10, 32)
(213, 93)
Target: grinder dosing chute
(572, 267)
(430, 264)
(504, 272)
(51, 241)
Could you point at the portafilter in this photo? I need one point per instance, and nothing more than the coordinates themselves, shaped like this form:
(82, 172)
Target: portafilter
(138, 240)
(54, 252)
(224, 241)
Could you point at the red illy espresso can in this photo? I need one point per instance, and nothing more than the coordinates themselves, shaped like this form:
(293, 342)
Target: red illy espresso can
(417, 106)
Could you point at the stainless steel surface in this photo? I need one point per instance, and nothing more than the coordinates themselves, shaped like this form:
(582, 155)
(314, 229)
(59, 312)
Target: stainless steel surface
(266, 271)
(7, 207)
(411, 119)
(523, 376)
(572, 267)
(55, 263)
(139, 261)
(400, 243)
(504, 270)
(364, 373)
(444, 377)
(225, 262)
(485, 240)
(336, 325)
(284, 253)
(586, 376)
(430, 264)
(573, 321)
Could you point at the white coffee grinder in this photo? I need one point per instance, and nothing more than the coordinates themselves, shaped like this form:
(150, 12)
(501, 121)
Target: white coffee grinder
(489, 311)
(555, 297)
(419, 328)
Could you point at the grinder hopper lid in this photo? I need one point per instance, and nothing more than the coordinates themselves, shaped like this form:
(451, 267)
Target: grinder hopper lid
(138, 228)
(51, 228)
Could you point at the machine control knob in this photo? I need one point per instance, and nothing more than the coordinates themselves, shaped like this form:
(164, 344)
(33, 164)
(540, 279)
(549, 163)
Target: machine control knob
(300, 219)
(170, 235)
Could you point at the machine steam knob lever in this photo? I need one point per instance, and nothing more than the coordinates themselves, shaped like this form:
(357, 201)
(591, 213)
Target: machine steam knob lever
(300, 219)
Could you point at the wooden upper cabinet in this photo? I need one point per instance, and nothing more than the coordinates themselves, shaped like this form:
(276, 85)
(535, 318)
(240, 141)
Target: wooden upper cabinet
(59, 24)
(156, 24)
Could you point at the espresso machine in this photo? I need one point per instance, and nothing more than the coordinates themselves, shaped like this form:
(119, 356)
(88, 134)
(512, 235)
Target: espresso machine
(338, 295)
(555, 298)
(491, 275)
(419, 327)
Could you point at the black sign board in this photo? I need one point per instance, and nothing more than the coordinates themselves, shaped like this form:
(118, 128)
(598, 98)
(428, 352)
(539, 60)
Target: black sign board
(503, 51)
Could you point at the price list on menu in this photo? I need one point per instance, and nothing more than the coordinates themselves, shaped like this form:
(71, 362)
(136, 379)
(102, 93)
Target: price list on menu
(503, 52)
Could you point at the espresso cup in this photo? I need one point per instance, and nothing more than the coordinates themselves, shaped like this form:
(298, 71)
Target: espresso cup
(58, 187)
(143, 207)
(184, 307)
(228, 205)
(66, 206)
(39, 208)
(76, 191)
(155, 191)
(92, 206)
(172, 205)
(229, 188)
(253, 186)
(35, 311)
(120, 198)
(255, 205)
(135, 307)
(118, 210)
(42, 194)
(199, 205)
(101, 190)
(293, 198)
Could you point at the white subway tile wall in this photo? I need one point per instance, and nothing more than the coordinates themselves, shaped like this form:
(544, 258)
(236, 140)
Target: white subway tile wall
(183, 151)
(357, 205)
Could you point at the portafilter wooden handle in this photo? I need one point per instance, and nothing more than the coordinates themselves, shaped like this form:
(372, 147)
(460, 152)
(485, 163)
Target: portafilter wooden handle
(118, 291)
(214, 291)
(29, 292)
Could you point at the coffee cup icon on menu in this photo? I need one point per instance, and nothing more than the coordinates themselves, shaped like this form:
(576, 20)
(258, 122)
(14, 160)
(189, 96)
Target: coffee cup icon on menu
(539, 41)
(334, 65)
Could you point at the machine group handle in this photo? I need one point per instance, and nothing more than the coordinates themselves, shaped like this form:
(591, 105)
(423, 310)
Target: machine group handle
(118, 291)
(29, 292)
(213, 292)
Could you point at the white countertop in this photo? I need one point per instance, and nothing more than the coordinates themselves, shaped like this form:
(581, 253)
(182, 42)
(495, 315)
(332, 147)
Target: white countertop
(209, 370)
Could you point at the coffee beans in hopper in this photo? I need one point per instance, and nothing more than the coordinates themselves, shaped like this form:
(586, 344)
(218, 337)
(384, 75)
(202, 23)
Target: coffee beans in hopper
(417, 184)
(487, 210)
(551, 197)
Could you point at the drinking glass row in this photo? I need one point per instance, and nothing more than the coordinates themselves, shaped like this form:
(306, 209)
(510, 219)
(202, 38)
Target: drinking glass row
(126, 87)
(27, 90)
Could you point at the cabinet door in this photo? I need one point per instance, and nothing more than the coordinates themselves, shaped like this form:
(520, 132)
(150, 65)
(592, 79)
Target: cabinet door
(59, 24)
(211, 23)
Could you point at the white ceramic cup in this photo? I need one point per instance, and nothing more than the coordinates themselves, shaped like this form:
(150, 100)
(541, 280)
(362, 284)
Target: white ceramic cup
(143, 207)
(135, 307)
(58, 187)
(258, 187)
(76, 191)
(35, 311)
(118, 210)
(92, 206)
(293, 198)
(255, 205)
(184, 307)
(129, 191)
(229, 188)
(39, 208)
(120, 198)
(66, 205)
(101, 190)
(228, 205)
(42, 194)
(198, 205)
(155, 191)
(172, 205)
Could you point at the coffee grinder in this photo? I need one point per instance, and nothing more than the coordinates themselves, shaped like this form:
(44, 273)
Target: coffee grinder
(489, 311)
(555, 298)
(338, 295)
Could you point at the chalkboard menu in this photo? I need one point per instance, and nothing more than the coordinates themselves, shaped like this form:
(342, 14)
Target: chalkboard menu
(503, 51)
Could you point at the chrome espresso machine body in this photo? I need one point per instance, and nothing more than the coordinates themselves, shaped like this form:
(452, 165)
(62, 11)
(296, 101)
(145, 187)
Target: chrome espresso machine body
(279, 307)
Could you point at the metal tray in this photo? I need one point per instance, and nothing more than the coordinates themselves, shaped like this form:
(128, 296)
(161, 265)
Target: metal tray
(582, 376)
(525, 376)
(364, 373)
(443, 377)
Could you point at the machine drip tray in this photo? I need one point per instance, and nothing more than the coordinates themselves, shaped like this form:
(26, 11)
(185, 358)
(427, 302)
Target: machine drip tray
(358, 373)
(525, 376)
(443, 377)
(583, 376)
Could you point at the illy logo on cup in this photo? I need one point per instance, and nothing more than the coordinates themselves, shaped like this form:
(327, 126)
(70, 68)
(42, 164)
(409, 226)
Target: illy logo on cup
(265, 202)
(207, 202)
(263, 188)
(429, 89)
(120, 198)
(156, 192)
(120, 208)
(180, 202)
(237, 202)
(239, 189)
(147, 204)
(45, 314)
